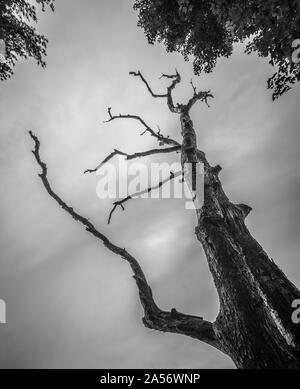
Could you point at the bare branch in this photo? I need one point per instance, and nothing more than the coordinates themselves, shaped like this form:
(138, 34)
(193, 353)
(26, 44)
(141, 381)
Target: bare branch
(120, 203)
(193, 86)
(139, 74)
(154, 318)
(172, 107)
(178, 108)
(133, 156)
(161, 138)
(163, 75)
(198, 96)
(176, 79)
(110, 156)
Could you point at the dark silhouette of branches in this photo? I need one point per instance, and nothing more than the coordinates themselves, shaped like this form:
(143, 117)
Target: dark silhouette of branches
(154, 318)
(133, 156)
(161, 138)
(120, 203)
(178, 108)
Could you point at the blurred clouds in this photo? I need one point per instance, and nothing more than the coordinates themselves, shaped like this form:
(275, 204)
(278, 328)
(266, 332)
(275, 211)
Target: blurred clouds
(71, 303)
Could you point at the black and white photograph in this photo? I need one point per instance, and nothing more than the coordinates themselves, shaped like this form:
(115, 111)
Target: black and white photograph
(150, 188)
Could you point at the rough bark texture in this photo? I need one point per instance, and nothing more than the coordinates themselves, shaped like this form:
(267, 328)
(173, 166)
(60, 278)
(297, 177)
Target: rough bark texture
(254, 324)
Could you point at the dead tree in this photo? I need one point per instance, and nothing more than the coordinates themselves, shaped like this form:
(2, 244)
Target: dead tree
(254, 325)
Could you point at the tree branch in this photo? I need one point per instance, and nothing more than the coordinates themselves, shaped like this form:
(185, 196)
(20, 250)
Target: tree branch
(199, 96)
(133, 156)
(176, 80)
(162, 139)
(120, 203)
(202, 96)
(154, 318)
(178, 108)
(139, 74)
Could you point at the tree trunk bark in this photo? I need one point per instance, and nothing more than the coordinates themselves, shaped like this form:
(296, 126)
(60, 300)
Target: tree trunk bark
(254, 325)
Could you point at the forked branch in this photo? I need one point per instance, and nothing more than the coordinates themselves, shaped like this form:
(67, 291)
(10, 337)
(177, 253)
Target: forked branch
(158, 135)
(178, 108)
(176, 80)
(154, 317)
(198, 96)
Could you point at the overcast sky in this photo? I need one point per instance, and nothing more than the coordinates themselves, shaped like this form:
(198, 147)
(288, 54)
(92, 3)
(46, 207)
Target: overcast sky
(70, 302)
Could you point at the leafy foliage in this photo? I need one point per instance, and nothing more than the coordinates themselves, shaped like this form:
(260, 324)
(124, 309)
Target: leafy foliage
(207, 30)
(189, 27)
(20, 37)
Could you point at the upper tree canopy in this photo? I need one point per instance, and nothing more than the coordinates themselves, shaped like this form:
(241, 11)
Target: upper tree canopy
(20, 38)
(207, 30)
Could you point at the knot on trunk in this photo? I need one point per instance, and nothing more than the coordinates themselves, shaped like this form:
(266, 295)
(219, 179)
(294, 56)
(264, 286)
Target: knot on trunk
(244, 209)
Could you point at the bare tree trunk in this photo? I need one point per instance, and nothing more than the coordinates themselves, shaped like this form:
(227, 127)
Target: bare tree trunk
(254, 324)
